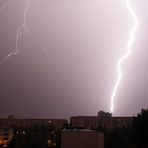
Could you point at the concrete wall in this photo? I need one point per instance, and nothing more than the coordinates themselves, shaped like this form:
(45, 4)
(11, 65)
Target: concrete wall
(100, 140)
(82, 139)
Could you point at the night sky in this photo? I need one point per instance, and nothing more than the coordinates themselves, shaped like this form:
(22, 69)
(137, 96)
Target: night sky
(76, 73)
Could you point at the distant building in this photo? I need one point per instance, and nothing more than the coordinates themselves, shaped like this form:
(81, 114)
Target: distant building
(104, 120)
(121, 122)
(88, 122)
(82, 139)
(58, 123)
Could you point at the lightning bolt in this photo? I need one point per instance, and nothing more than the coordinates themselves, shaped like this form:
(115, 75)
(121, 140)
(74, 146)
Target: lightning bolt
(129, 50)
(20, 31)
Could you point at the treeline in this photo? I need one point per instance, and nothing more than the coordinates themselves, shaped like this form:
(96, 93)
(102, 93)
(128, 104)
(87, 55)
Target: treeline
(135, 136)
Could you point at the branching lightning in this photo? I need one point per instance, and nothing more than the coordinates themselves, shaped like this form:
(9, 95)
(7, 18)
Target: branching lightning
(129, 49)
(24, 29)
(6, 4)
(20, 31)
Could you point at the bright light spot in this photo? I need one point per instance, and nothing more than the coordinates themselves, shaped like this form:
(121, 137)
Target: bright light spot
(24, 132)
(5, 145)
(49, 141)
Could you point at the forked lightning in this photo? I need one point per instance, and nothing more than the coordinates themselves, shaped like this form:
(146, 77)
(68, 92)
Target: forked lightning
(20, 31)
(24, 29)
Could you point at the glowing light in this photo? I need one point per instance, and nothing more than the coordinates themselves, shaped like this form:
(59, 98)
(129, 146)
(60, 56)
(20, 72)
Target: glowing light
(129, 49)
(1, 141)
(21, 30)
(24, 132)
(50, 143)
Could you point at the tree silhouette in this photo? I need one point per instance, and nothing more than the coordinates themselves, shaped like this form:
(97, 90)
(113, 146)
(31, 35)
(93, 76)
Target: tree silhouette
(135, 136)
(140, 129)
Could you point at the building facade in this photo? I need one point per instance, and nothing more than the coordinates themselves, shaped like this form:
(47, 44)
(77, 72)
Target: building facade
(121, 122)
(82, 139)
(88, 122)
(57, 123)
(104, 120)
